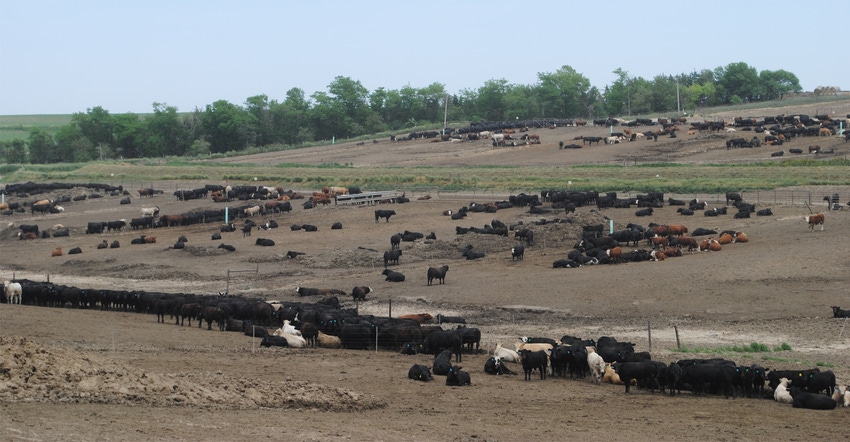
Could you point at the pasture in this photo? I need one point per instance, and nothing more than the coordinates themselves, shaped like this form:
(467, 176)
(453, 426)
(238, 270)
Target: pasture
(179, 382)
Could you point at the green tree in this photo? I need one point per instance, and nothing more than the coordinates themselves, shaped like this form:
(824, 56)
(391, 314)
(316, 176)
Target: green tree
(328, 117)
(13, 151)
(41, 146)
(260, 108)
(72, 146)
(739, 79)
(165, 133)
(227, 127)
(491, 99)
(776, 84)
(618, 96)
(565, 93)
(96, 124)
(291, 119)
(350, 97)
(130, 136)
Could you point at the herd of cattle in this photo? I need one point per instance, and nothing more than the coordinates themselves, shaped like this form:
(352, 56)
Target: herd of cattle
(776, 130)
(325, 324)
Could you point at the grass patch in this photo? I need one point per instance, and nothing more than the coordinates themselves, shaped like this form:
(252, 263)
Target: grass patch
(753, 347)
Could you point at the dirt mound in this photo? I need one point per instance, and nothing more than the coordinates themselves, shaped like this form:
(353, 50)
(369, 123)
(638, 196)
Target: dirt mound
(33, 372)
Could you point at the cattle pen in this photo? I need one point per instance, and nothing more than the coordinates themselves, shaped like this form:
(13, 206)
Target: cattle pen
(365, 198)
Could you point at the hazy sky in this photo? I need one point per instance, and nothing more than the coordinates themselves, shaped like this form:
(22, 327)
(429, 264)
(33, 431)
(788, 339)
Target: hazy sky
(60, 57)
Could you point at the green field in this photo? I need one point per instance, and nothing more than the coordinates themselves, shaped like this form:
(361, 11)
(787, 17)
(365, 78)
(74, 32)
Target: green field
(18, 126)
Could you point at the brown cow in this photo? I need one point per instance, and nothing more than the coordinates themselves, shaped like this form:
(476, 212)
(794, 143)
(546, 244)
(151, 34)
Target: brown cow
(614, 254)
(57, 252)
(741, 237)
(418, 317)
(657, 256)
(677, 229)
(660, 241)
(688, 241)
(726, 239)
(814, 220)
(150, 239)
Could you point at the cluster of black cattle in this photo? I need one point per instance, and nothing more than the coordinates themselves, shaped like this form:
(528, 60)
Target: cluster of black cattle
(25, 190)
(700, 376)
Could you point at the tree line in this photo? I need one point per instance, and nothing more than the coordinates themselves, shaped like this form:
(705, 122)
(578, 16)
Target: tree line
(347, 109)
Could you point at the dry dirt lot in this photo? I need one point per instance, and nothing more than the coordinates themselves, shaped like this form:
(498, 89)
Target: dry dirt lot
(90, 375)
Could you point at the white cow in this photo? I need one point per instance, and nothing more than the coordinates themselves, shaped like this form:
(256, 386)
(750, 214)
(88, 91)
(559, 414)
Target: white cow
(14, 292)
(150, 211)
(597, 366)
(781, 393)
(506, 354)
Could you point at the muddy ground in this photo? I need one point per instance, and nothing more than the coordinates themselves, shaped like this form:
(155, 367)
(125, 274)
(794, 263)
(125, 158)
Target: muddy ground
(102, 375)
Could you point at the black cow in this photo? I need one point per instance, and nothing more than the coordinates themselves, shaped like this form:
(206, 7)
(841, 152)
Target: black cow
(702, 232)
(719, 375)
(764, 212)
(61, 233)
(115, 244)
(395, 241)
(495, 366)
(355, 336)
(437, 273)
(644, 371)
(215, 236)
(227, 247)
(228, 228)
(409, 348)
(75, 251)
(517, 252)
(811, 401)
(469, 337)
(838, 312)
(644, 212)
(336, 226)
(439, 340)
(453, 319)
(525, 234)
(214, 314)
(309, 228)
(798, 378)
(95, 227)
(391, 256)
(457, 377)
(360, 292)
(732, 196)
(532, 360)
(393, 276)
(565, 263)
(384, 214)
(420, 372)
(442, 363)
(274, 341)
(264, 242)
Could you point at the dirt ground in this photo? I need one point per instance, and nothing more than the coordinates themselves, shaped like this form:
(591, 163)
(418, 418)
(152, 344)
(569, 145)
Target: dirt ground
(100, 375)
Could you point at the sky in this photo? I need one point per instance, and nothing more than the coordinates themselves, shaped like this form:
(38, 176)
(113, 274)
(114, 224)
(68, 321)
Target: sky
(61, 57)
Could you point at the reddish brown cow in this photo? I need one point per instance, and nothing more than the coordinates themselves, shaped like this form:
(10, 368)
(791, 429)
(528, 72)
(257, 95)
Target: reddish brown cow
(614, 254)
(418, 317)
(726, 239)
(677, 229)
(57, 252)
(150, 239)
(741, 237)
(814, 220)
(688, 241)
(660, 241)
